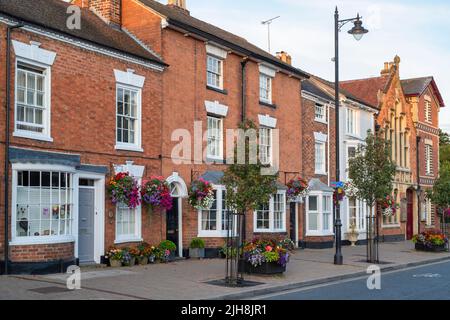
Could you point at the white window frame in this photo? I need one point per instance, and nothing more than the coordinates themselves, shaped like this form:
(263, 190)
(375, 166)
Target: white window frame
(429, 169)
(37, 240)
(46, 115)
(362, 211)
(428, 111)
(268, 148)
(352, 122)
(347, 155)
(272, 228)
(427, 212)
(137, 146)
(320, 113)
(218, 73)
(219, 139)
(320, 212)
(219, 233)
(320, 170)
(269, 83)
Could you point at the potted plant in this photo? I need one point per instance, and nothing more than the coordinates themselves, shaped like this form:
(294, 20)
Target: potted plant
(265, 256)
(124, 189)
(353, 235)
(201, 194)
(156, 194)
(115, 257)
(197, 248)
(431, 241)
(167, 250)
(129, 257)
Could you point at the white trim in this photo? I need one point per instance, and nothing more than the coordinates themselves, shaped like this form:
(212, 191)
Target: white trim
(27, 241)
(133, 170)
(175, 178)
(267, 70)
(271, 216)
(219, 233)
(216, 51)
(217, 109)
(320, 137)
(320, 232)
(32, 52)
(129, 78)
(29, 135)
(221, 138)
(267, 121)
(88, 46)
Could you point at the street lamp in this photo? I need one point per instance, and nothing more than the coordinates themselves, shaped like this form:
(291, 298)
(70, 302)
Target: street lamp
(358, 31)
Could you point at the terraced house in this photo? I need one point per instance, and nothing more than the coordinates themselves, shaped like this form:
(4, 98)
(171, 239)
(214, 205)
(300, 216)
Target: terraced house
(409, 119)
(83, 104)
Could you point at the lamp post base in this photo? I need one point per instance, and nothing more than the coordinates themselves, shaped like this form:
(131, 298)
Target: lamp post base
(338, 258)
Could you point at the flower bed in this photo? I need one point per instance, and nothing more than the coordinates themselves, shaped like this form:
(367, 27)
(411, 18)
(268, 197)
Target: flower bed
(266, 256)
(431, 241)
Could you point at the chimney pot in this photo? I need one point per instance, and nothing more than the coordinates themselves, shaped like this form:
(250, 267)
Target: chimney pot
(178, 4)
(285, 57)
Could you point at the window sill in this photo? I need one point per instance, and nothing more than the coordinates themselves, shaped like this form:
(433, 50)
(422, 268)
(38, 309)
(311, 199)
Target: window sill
(391, 226)
(130, 240)
(212, 160)
(219, 90)
(317, 173)
(213, 234)
(26, 241)
(267, 104)
(26, 135)
(123, 147)
(319, 234)
(321, 121)
(269, 231)
(354, 135)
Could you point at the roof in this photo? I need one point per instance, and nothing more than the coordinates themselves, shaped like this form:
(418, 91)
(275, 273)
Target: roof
(417, 86)
(214, 177)
(52, 15)
(309, 86)
(184, 20)
(317, 185)
(366, 89)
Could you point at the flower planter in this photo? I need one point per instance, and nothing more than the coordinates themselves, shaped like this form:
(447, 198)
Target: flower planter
(266, 268)
(132, 263)
(143, 261)
(196, 253)
(115, 263)
(422, 247)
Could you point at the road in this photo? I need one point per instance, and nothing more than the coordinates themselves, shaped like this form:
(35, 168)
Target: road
(431, 282)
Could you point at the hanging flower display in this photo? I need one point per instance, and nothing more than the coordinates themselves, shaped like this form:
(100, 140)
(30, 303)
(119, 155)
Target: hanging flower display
(201, 194)
(156, 194)
(339, 192)
(350, 190)
(389, 207)
(124, 189)
(297, 188)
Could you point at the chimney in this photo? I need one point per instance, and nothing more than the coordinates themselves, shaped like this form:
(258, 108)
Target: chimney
(109, 10)
(285, 57)
(389, 66)
(178, 4)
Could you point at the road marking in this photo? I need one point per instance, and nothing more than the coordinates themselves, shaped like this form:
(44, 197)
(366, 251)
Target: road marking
(428, 275)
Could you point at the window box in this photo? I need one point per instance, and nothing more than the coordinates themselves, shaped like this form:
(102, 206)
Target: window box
(271, 268)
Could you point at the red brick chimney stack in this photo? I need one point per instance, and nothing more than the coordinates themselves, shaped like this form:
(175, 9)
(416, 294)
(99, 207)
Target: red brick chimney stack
(108, 10)
(178, 4)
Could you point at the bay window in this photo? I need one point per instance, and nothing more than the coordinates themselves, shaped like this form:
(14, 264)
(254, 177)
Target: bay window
(271, 217)
(42, 204)
(319, 217)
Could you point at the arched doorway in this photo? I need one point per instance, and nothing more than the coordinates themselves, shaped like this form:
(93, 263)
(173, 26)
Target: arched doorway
(174, 217)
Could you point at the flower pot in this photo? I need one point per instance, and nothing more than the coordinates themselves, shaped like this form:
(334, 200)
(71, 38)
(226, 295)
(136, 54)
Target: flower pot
(152, 259)
(353, 238)
(131, 263)
(271, 268)
(422, 247)
(143, 261)
(115, 263)
(196, 253)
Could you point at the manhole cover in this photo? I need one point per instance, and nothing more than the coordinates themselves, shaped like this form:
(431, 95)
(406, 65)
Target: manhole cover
(50, 290)
(244, 284)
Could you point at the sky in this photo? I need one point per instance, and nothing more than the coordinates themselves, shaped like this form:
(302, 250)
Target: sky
(417, 31)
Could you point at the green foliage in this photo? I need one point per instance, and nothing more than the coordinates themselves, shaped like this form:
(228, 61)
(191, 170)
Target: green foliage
(197, 243)
(247, 188)
(272, 256)
(445, 154)
(444, 138)
(440, 195)
(372, 171)
(167, 245)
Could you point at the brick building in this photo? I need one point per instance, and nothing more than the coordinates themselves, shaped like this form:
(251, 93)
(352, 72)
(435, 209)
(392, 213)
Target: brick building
(77, 100)
(409, 110)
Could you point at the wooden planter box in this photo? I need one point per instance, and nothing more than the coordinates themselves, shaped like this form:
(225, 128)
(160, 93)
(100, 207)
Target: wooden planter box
(266, 268)
(421, 247)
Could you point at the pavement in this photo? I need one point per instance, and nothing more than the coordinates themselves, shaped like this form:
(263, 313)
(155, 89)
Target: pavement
(187, 279)
(430, 282)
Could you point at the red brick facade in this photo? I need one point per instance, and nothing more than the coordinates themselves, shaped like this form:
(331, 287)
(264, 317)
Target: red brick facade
(42, 253)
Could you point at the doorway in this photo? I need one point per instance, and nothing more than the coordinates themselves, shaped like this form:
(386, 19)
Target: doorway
(172, 223)
(293, 223)
(410, 215)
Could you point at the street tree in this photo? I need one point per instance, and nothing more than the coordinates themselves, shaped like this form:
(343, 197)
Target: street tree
(372, 173)
(440, 194)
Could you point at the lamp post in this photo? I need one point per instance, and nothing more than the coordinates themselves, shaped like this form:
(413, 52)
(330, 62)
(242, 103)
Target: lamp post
(358, 32)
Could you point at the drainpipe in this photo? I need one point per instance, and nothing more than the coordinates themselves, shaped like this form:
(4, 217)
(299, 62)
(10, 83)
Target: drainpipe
(329, 144)
(419, 191)
(9, 29)
(244, 89)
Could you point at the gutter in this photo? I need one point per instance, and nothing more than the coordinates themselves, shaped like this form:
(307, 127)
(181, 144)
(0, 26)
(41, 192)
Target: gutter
(9, 29)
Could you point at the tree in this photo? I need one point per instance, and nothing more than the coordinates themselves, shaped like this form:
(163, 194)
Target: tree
(372, 174)
(247, 189)
(444, 138)
(440, 194)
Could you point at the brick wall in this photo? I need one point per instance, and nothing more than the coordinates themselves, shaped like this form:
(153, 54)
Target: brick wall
(42, 253)
(109, 10)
